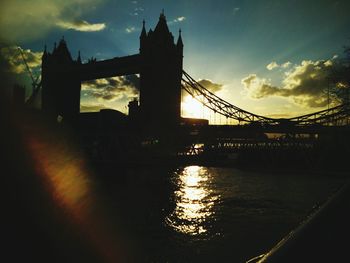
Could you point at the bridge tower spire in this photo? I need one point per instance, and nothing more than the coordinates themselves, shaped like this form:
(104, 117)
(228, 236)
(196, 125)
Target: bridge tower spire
(179, 43)
(60, 85)
(143, 37)
(79, 58)
(160, 76)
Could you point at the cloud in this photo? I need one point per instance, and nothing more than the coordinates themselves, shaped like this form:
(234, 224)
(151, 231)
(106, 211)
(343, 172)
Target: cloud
(29, 20)
(274, 65)
(235, 10)
(137, 10)
(286, 64)
(305, 84)
(111, 89)
(208, 84)
(177, 20)
(130, 29)
(258, 87)
(12, 60)
(81, 25)
(91, 107)
(13, 70)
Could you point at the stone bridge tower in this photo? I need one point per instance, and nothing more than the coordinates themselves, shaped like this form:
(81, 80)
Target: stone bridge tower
(160, 75)
(61, 84)
(159, 64)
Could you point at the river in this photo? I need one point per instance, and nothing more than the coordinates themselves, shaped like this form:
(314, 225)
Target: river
(207, 214)
(156, 213)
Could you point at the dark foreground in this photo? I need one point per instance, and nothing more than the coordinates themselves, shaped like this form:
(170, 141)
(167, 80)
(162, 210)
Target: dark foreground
(61, 208)
(321, 237)
(166, 214)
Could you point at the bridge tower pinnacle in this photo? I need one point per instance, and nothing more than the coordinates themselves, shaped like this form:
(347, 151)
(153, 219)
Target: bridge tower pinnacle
(60, 87)
(179, 43)
(160, 76)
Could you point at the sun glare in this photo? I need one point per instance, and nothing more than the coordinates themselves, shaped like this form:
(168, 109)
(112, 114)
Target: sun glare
(192, 108)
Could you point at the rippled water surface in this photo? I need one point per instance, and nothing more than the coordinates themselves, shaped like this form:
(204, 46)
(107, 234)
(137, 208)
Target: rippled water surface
(205, 214)
(69, 213)
(195, 200)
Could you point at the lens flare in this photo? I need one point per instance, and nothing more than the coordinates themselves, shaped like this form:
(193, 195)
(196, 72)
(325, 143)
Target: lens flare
(63, 173)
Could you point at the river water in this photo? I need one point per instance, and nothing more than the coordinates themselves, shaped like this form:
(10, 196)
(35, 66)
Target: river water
(66, 213)
(207, 214)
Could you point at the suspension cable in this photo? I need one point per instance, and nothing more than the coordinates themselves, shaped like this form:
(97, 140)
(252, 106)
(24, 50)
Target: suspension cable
(208, 99)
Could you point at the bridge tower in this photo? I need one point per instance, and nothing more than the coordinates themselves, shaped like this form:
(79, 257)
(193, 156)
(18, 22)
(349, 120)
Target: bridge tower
(160, 75)
(159, 64)
(60, 84)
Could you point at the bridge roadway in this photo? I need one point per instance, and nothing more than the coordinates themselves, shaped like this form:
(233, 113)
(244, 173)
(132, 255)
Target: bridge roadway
(257, 130)
(109, 68)
(226, 139)
(310, 148)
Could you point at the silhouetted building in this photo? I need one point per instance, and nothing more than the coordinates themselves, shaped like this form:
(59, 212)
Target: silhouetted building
(102, 121)
(18, 96)
(60, 83)
(159, 64)
(134, 110)
(161, 73)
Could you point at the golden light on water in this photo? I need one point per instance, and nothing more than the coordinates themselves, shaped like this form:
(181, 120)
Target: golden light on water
(194, 201)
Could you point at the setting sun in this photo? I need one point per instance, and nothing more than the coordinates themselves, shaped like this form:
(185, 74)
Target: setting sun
(192, 107)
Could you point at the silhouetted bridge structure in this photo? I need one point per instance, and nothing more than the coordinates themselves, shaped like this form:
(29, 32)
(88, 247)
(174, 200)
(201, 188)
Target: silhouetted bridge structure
(336, 116)
(159, 64)
(162, 78)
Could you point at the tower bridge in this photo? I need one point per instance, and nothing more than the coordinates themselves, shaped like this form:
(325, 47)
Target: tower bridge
(155, 120)
(160, 66)
(159, 63)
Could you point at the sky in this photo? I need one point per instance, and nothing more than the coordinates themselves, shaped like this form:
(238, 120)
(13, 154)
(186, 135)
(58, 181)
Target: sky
(269, 57)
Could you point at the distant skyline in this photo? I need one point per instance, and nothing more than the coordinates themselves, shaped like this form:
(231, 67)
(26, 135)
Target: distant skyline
(268, 57)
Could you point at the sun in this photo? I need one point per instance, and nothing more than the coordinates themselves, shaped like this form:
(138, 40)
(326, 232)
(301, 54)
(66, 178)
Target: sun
(192, 107)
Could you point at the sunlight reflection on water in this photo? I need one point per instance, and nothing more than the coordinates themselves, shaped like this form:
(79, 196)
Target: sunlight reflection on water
(194, 201)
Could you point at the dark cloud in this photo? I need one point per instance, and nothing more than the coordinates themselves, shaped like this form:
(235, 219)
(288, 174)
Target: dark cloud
(133, 80)
(13, 70)
(306, 84)
(31, 19)
(268, 90)
(12, 59)
(208, 84)
(91, 107)
(125, 87)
